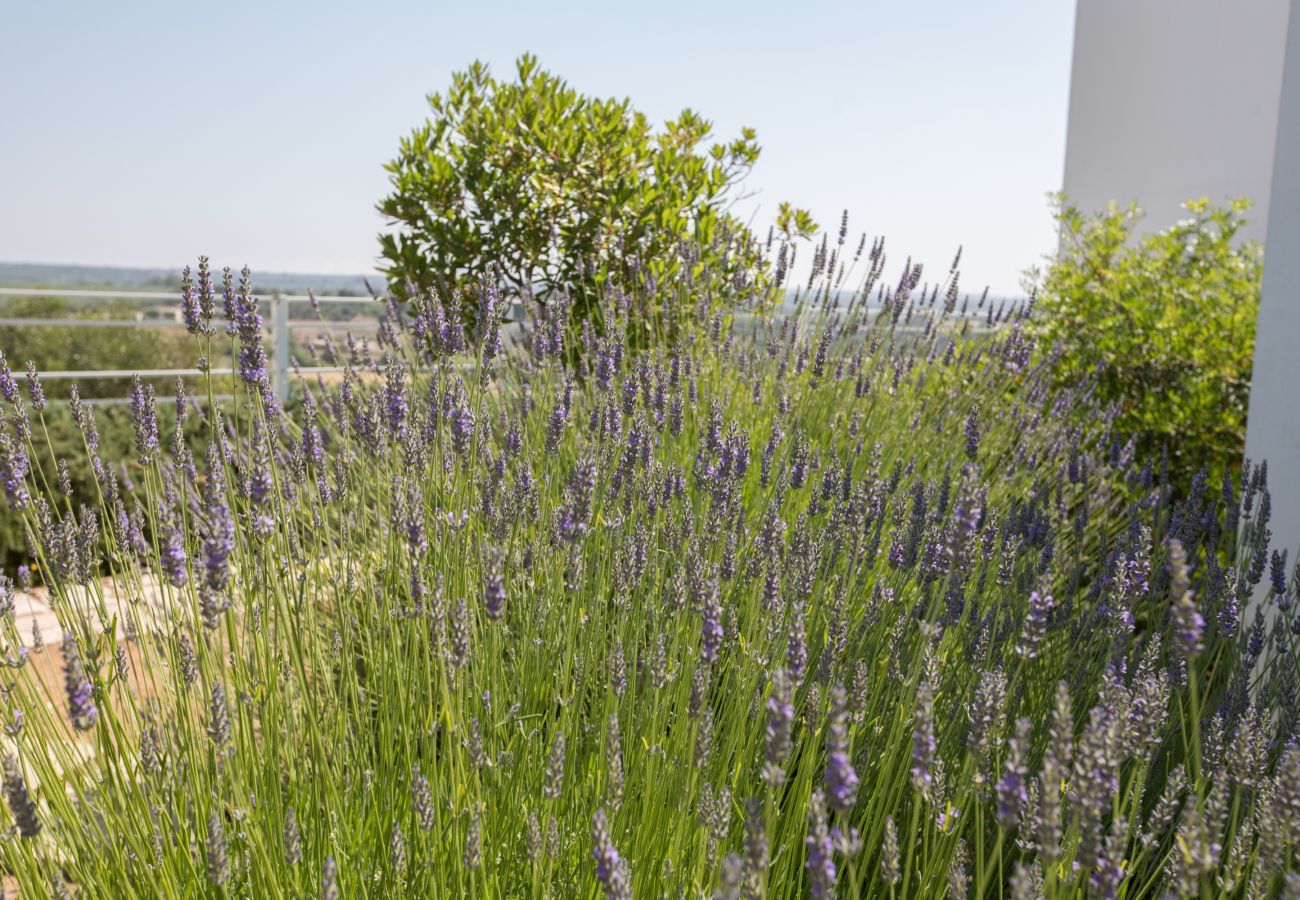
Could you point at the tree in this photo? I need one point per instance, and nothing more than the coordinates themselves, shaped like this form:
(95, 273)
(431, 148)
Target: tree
(544, 190)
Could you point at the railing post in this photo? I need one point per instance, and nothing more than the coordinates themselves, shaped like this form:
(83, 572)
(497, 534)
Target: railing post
(280, 353)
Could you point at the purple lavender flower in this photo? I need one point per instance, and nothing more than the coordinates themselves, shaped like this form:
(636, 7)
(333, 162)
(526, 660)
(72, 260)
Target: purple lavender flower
(173, 558)
(313, 444)
(972, 433)
(1035, 629)
(219, 721)
(1255, 640)
(1229, 615)
(555, 426)
(205, 298)
(329, 880)
(923, 741)
(799, 463)
(462, 427)
(1277, 571)
(8, 386)
(247, 321)
(395, 402)
(890, 864)
(218, 540)
(611, 869)
(780, 722)
(34, 389)
(1258, 563)
(13, 470)
(218, 858)
(494, 588)
(796, 649)
(219, 534)
(1189, 624)
(81, 699)
(1109, 871)
(607, 362)
(841, 779)
(1012, 788)
(489, 320)
(145, 418)
(574, 516)
(821, 850)
(711, 622)
(189, 303)
(20, 799)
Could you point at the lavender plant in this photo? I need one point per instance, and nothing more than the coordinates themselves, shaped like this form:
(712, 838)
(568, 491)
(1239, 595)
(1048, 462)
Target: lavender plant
(485, 617)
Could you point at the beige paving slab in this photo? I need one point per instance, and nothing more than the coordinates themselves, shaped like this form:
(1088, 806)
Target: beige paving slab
(145, 604)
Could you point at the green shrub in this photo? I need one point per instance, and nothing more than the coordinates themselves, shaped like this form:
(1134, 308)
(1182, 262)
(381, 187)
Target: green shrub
(55, 348)
(543, 189)
(1164, 323)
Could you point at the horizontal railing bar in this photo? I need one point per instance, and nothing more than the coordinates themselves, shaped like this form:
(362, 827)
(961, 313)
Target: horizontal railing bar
(333, 323)
(66, 374)
(172, 323)
(174, 296)
(92, 323)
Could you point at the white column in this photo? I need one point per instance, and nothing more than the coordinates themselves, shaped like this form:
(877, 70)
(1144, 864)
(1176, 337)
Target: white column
(1273, 424)
(1172, 100)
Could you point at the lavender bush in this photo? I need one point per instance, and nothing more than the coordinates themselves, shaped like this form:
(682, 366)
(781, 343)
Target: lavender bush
(839, 604)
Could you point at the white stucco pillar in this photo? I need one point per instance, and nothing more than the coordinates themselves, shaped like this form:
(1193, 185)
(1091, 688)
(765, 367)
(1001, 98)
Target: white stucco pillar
(1273, 424)
(1172, 100)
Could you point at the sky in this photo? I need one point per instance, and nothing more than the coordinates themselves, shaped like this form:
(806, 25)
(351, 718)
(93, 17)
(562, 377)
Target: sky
(144, 134)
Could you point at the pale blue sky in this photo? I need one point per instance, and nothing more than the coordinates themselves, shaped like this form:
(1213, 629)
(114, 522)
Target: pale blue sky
(138, 133)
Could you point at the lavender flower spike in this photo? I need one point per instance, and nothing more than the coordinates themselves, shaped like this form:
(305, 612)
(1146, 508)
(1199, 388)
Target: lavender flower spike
(1035, 629)
(20, 799)
(841, 779)
(494, 588)
(1012, 787)
(821, 850)
(711, 624)
(611, 869)
(81, 699)
(923, 742)
(780, 722)
(1189, 624)
(146, 420)
(8, 386)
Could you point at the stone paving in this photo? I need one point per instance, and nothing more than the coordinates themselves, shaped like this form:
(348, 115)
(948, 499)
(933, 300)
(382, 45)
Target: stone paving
(34, 608)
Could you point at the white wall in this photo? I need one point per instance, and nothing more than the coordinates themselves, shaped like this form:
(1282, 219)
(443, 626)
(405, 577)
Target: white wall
(1172, 100)
(1176, 99)
(1273, 426)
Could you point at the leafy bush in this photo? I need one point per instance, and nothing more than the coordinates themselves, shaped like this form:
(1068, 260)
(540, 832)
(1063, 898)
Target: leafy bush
(835, 605)
(62, 348)
(1163, 325)
(541, 189)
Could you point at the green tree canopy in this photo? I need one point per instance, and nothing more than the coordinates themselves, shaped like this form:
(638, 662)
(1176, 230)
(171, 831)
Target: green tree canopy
(543, 189)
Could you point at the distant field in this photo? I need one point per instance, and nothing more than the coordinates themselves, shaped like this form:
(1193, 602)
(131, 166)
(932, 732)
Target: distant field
(53, 275)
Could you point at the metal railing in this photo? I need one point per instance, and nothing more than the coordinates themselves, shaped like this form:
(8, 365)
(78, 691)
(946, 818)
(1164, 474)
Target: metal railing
(280, 326)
